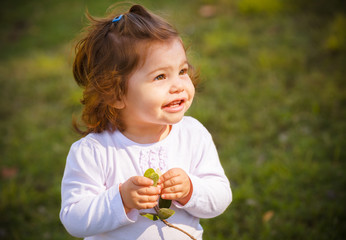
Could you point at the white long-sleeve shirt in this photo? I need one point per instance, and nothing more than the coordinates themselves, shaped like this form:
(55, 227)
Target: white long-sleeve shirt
(96, 164)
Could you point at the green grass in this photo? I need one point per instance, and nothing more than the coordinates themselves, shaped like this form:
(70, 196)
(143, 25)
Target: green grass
(273, 94)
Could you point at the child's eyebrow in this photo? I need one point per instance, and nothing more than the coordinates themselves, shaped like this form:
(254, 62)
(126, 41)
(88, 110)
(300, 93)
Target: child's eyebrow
(159, 69)
(163, 68)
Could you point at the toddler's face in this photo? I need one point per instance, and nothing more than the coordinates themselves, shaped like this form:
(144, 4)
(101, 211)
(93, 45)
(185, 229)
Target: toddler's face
(160, 91)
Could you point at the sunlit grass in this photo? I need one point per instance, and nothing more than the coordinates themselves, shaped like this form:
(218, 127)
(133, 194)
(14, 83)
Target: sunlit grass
(272, 95)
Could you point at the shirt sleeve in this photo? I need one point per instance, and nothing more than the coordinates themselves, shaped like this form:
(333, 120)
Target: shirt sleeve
(211, 188)
(88, 207)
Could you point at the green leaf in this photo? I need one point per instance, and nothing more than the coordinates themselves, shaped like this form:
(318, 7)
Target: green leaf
(148, 172)
(164, 203)
(155, 177)
(151, 216)
(165, 213)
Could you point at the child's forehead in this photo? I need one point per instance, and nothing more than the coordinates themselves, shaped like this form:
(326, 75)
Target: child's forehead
(147, 48)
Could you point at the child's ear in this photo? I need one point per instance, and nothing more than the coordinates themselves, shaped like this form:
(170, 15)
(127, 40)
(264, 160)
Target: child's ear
(118, 104)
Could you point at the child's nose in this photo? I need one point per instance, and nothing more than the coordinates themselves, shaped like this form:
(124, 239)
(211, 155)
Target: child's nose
(177, 85)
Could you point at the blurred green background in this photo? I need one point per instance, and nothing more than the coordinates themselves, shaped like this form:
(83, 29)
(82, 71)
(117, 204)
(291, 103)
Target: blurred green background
(273, 94)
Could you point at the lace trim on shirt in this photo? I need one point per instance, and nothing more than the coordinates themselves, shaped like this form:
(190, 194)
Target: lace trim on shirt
(153, 158)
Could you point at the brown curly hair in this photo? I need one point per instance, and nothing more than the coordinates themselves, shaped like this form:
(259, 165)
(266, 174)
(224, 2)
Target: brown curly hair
(106, 56)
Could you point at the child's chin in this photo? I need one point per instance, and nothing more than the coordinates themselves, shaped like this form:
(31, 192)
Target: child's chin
(176, 119)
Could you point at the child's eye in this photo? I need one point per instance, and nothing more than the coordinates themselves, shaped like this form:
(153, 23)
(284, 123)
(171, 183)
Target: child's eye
(183, 71)
(160, 77)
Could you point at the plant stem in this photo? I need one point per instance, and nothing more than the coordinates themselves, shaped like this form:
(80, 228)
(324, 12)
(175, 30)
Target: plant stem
(171, 225)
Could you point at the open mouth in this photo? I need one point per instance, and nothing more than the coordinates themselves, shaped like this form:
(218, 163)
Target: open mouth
(174, 104)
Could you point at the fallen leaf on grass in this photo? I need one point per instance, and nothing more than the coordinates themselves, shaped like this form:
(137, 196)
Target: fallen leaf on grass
(267, 216)
(9, 172)
(207, 11)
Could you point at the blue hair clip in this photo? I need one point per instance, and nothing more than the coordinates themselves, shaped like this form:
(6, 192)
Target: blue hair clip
(117, 19)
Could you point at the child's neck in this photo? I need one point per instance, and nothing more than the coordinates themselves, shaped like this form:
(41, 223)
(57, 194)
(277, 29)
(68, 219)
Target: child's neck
(147, 135)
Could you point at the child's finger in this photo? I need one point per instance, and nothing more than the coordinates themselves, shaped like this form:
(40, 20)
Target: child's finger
(173, 189)
(149, 191)
(147, 205)
(171, 178)
(142, 181)
(172, 182)
(169, 174)
(171, 196)
(148, 199)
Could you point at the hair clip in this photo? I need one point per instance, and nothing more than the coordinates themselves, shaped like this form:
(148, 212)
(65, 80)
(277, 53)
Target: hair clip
(117, 19)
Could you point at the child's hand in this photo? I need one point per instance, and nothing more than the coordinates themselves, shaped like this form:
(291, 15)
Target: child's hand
(176, 185)
(137, 192)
